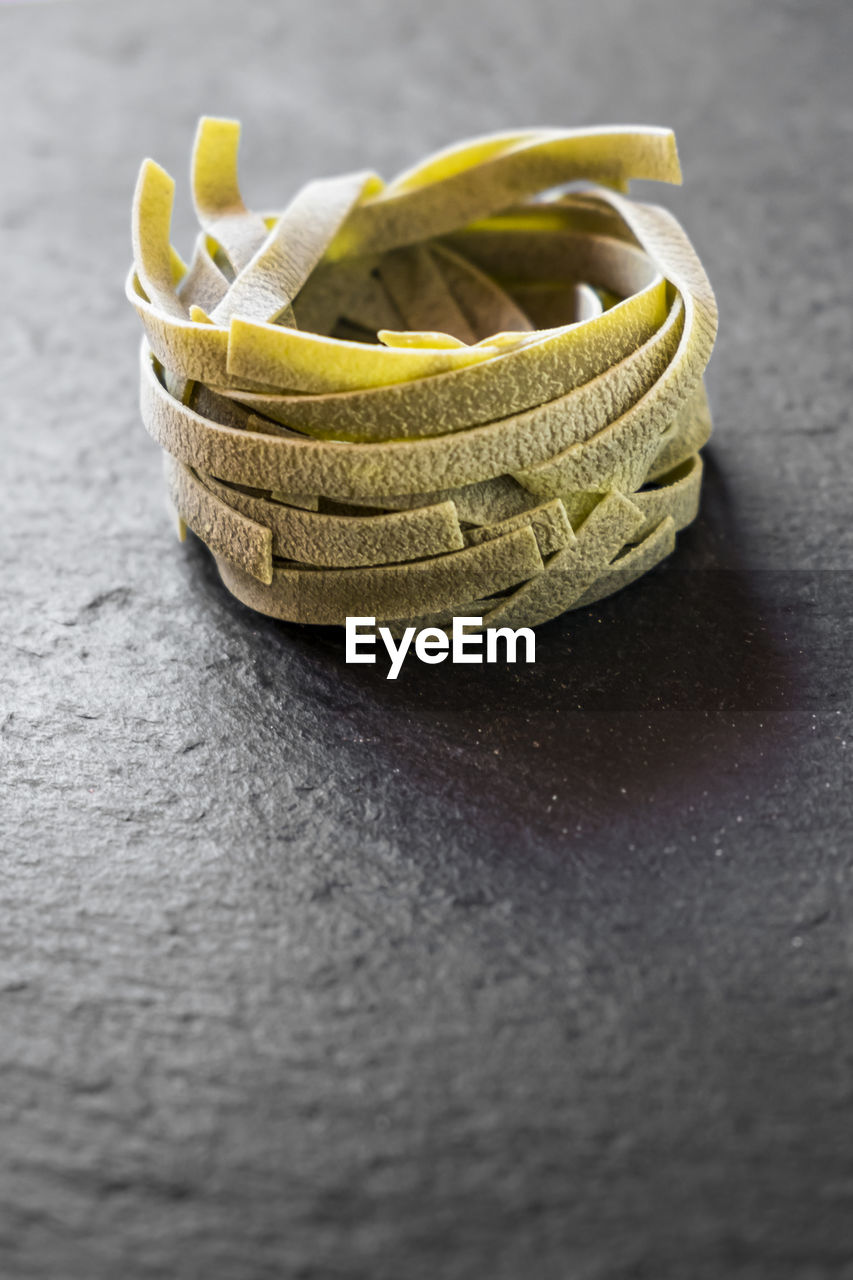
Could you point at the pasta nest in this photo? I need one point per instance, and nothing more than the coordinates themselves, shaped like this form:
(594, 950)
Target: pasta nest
(476, 389)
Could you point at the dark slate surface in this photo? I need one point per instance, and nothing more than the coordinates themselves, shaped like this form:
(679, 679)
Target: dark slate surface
(481, 974)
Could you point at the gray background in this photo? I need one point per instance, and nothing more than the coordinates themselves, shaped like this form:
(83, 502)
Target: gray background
(481, 974)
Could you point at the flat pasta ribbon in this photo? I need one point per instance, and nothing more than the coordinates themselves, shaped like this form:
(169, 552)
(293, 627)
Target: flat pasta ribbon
(476, 390)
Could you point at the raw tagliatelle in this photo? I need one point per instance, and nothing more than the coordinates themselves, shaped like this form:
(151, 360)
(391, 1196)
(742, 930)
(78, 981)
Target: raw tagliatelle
(475, 390)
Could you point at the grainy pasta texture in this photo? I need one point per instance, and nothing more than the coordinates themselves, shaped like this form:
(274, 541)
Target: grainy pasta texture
(474, 390)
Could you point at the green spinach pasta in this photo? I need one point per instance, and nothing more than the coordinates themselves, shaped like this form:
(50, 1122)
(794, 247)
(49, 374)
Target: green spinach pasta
(474, 390)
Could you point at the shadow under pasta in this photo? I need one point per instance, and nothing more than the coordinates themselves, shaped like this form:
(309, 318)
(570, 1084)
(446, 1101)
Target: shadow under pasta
(632, 707)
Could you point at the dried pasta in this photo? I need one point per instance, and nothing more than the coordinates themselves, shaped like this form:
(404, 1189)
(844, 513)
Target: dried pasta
(474, 390)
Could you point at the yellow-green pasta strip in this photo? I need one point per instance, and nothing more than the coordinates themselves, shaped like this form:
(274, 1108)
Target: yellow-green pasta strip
(329, 596)
(150, 230)
(197, 351)
(548, 520)
(528, 237)
(486, 306)
(350, 288)
(529, 257)
(631, 564)
(549, 158)
(418, 338)
(587, 303)
(317, 538)
(370, 306)
(677, 495)
(204, 285)
(306, 501)
(159, 264)
(497, 388)
(265, 288)
(458, 157)
(216, 192)
(570, 572)
(547, 304)
(420, 293)
(484, 502)
(243, 541)
(216, 408)
(352, 470)
(689, 431)
(268, 353)
(636, 433)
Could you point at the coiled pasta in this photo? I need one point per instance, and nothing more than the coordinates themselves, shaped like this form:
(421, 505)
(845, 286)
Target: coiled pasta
(474, 390)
